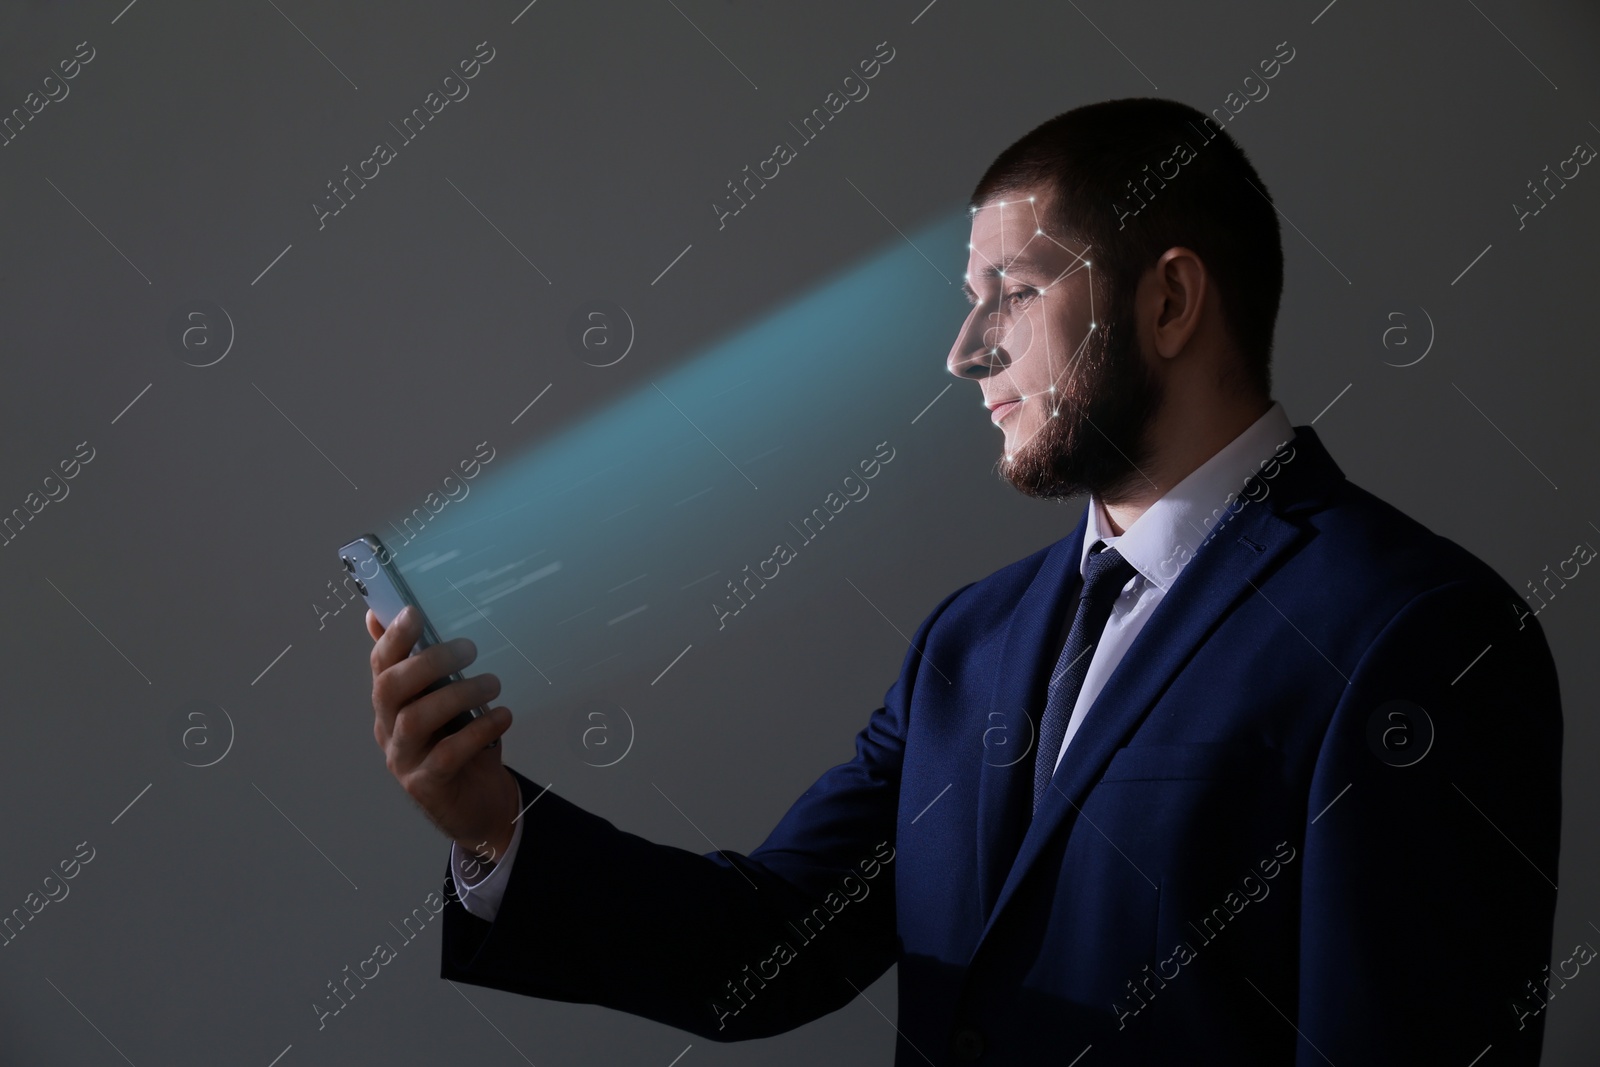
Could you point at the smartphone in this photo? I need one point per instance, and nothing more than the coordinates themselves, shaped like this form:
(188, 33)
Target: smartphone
(386, 593)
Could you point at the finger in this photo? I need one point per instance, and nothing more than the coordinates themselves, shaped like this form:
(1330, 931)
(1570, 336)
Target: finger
(388, 647)
(395, 644)
(415, 725)
(452, 753)
(402, 683)
(374, 627)
(393, 687)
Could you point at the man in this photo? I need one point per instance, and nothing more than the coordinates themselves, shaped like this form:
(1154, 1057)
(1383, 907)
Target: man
(1249, 768)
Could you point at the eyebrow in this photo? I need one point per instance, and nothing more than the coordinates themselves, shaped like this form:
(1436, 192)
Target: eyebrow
(1019, 260)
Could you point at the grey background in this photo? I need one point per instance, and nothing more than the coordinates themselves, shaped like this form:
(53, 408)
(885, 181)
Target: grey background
(185, 567)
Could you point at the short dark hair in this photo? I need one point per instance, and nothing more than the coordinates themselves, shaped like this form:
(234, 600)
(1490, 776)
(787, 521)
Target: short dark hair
(1104, 162)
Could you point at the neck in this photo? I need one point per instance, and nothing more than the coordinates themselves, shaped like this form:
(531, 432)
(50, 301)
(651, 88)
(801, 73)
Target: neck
(1184, 437)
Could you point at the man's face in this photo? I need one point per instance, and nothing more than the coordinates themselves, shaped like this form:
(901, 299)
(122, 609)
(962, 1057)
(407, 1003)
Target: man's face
(1070, 390)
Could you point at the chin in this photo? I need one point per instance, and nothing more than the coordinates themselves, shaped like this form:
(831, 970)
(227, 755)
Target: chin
(1018, 437)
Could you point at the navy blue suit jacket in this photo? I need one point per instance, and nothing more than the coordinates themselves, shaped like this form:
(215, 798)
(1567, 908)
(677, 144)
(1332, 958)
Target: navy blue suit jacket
(1243, 858)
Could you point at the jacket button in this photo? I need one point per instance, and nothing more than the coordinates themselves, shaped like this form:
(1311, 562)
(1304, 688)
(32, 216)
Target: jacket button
(967, 1043)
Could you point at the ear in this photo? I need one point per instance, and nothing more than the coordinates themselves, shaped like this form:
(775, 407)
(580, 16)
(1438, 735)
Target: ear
(1180, 287)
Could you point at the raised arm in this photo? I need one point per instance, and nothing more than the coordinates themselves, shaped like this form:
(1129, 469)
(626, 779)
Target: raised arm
(724, 945)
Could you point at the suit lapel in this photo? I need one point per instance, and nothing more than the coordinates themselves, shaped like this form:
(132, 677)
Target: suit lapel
(1225, 570)
(1009, 730)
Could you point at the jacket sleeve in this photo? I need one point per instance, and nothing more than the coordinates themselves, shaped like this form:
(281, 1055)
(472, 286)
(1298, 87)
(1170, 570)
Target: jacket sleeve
(1431, 841)
(723, 945)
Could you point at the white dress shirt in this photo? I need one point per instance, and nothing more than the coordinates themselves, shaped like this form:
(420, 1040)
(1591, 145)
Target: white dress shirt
(1158, 544)
(482, 898)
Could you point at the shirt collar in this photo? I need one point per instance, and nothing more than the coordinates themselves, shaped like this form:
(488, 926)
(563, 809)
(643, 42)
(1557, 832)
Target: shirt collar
(1163, 539)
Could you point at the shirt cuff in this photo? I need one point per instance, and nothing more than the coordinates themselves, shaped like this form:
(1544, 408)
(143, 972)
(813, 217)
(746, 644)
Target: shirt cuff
(482, 898)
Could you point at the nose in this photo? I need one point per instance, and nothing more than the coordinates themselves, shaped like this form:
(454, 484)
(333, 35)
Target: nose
(978, 351)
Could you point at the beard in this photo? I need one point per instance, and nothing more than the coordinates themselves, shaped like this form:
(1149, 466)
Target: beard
(1098, 442)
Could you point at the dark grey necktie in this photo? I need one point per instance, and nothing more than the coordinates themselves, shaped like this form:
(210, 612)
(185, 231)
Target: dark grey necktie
(1105, 573)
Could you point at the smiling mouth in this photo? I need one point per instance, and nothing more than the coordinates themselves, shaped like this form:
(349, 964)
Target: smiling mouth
(1000, 411)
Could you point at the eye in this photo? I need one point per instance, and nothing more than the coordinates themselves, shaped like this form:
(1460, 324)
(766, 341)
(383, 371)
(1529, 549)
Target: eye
(1018, 296)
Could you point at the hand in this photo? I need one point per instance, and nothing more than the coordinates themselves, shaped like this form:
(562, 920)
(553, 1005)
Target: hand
(458, 781)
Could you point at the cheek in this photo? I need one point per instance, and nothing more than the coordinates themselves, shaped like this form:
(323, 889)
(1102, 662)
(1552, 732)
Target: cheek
(1040, 352)
(1023, 339)
(1071, 333)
